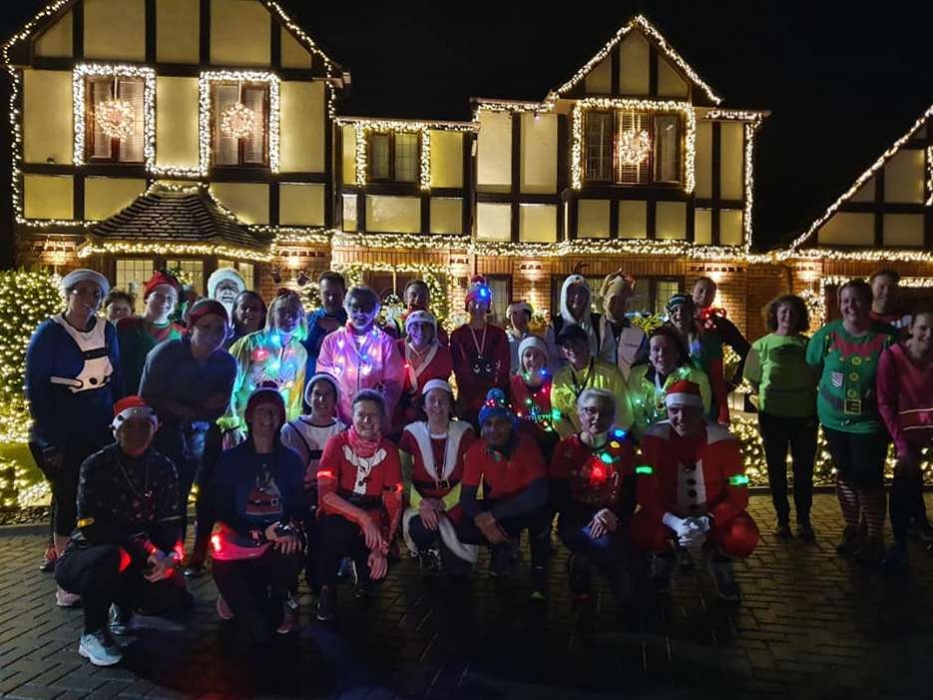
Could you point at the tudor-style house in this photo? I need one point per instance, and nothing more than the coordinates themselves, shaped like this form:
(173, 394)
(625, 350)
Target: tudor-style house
(195, 134)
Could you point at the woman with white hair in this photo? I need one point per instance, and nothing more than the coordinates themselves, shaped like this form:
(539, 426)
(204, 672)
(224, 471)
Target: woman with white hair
(72, 380)
(425, 359)
(432, 452)
(274, 355)
(593, 488)
(361, 355)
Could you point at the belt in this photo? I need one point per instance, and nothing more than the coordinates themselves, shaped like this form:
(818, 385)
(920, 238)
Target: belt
(441, 484)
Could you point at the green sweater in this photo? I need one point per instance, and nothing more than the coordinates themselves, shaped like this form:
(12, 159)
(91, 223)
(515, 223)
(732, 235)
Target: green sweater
(786, 383)
(846, 399)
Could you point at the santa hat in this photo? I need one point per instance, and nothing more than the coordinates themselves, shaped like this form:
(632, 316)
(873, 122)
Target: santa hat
(683, 393)
(437, 384)
(479, 289)
(532, 341)
(618, 283)
(321, 377)
(159, 278)
(519, 306)
(206, 307)
(221, 275)
(132, 407)
(267, 392)
(495, 405)
(421, 316)
(73, 278)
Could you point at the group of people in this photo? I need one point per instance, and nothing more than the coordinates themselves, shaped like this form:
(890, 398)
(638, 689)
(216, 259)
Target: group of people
(323, 442)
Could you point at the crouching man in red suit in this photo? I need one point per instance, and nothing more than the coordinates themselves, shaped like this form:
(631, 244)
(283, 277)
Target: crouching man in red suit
(693, 488)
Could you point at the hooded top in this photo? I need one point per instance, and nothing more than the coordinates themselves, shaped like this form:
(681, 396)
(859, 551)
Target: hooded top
(603, 348)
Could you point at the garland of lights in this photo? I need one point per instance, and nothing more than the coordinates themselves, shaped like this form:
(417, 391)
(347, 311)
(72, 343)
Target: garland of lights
(695, 251)
(364, 127)
(642, 24)
(856, 186)
(929, 201)
(79, 77)
(205, 118)
(638, 105)
(137, 248)
(405, 241)
(816, 301)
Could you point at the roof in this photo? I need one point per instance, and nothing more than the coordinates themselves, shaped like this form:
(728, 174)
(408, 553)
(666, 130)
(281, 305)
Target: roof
(54, 9)
(189, 215)
(861, 180)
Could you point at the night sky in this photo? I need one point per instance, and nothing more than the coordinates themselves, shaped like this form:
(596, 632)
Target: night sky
(842, 83)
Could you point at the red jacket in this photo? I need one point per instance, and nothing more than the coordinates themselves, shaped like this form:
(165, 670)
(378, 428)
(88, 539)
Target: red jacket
(704, 475)
(438, 366)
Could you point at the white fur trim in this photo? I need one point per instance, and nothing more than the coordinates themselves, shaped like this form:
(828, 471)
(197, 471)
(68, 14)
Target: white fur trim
(221, 274)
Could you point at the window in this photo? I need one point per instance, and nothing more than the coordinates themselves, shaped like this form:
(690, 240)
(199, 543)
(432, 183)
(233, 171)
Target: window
(394, 157)
(191, 272)
(501, 288)
(132, 275)
(116, 119)
(240, 133)
(632, 148)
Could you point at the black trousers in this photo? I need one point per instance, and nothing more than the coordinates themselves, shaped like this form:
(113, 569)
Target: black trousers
(94, 574)
(799, 434)
(64, 483)
(425, 539)
(607, 553)
(906, 493)
(193, 448)
(334, 538)
(255, 588)
(536, 521)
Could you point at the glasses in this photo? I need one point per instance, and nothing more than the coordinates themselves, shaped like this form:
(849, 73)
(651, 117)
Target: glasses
(88, 292)
(591, 411)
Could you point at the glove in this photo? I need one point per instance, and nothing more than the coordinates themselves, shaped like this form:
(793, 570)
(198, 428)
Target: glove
(680, 526)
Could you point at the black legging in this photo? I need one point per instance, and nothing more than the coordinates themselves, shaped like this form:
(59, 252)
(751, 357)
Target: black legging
(799, 434)
(906, 492)
(255, 588)
(336, 537)
(94, 574)
(63, 481)
(425, 539)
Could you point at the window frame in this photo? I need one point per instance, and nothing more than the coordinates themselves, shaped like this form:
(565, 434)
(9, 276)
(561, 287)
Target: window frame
(651, 167)
(392, 177)
(241, 163)
(90, 114)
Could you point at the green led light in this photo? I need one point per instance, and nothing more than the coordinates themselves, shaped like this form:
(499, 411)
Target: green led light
(644, 469)
(738, 480)
(607, 458)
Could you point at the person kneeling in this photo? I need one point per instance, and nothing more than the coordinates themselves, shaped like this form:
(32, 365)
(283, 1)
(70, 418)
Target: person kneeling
(360, 502)
(259, 501)
(511, 470)
(593, 485)
(433, 451)
(693, 489)
(123, 555)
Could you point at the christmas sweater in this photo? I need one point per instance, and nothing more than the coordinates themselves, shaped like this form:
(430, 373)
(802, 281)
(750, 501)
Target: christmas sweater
(597, 478)
(433, 465)
(905, 399)
(137, 337)
(481, 361)
(435, 364)
(532, 406)
(846, 396)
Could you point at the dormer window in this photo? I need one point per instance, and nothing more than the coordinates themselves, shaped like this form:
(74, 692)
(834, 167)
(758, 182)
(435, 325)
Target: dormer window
(633, 148)
(240, 129)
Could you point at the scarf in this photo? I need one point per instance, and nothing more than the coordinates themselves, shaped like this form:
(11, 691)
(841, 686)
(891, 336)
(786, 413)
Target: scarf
(362, 447)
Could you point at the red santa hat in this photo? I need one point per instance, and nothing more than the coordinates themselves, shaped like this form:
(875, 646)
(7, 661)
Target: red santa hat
(159, 278)
(421, 316)
(206, 307)
(479, 289)
(683, 393)
(132, 407)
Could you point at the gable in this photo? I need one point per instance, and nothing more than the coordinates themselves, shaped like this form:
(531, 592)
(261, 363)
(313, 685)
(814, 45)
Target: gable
(887, 204)
(116, 30)
(624, 66)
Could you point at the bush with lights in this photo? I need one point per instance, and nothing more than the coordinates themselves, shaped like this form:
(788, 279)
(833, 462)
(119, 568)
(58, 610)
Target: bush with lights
(26, 299)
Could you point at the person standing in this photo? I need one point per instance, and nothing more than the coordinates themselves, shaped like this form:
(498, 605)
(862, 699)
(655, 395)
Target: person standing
(362, 356)
(581, 372)
(575, 301)
(531, 395)
(713, 319)
(224, 285)
(631, 341)
(73, 377)
(249, 316)
(424, 359)
(119, 304)
(480, 353)
(326, 319)
(417, 297)
(786, 385)
(189, 382)
(885, 287)
(140, 334)
(273, 355)
(519, 314)
(905, 401)
(846, 354)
